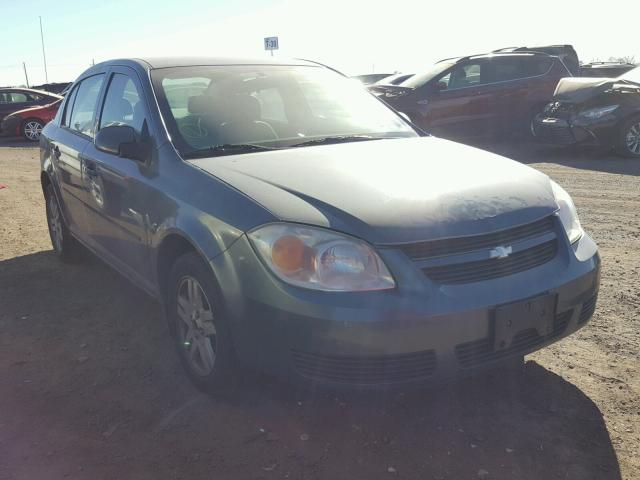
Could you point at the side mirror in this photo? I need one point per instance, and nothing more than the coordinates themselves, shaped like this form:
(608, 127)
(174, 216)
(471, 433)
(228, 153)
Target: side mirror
(119, 140)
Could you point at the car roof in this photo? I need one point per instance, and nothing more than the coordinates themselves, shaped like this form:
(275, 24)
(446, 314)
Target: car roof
(494, 55)
(150, 63)
(29, 90)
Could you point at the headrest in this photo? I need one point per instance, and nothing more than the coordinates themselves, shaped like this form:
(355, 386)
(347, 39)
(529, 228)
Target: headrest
(245, 108)
(200, 104)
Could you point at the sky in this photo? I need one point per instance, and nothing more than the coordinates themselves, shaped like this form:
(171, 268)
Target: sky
(353, 36)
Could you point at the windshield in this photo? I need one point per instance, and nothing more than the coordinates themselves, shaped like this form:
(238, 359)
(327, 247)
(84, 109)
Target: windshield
(273, 106)
(420, 79)
(632, 75)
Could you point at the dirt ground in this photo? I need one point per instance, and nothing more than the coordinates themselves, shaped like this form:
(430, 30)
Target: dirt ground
(90, 387)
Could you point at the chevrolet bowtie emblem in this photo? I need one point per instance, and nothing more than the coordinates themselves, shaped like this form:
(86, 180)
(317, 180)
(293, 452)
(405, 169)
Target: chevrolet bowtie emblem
(500, 252)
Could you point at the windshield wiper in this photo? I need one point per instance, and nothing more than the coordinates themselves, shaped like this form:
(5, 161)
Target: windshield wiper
(336, 139)
(227, 149)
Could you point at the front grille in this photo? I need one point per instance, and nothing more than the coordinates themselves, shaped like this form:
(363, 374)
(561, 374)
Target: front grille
(384, 369)
(558, 135)
(453, 246)
(493, 267)
(475, 353)
(588, 308)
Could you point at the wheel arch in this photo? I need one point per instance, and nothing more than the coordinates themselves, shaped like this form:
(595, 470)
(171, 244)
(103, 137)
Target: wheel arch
(174, 244)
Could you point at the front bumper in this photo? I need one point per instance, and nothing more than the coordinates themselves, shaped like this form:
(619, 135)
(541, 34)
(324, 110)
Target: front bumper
(573, 130)
(412, 335)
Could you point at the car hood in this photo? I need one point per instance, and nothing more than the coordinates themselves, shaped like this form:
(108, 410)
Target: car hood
(581, 89)
(389, 91)
(390, 191)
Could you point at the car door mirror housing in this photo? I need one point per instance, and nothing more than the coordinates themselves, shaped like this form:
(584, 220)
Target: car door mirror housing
(119, 140)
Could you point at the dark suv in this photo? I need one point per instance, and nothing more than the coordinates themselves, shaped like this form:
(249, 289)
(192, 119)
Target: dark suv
(478, 96)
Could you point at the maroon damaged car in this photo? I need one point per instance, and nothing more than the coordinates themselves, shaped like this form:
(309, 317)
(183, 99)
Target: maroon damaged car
(478, 96)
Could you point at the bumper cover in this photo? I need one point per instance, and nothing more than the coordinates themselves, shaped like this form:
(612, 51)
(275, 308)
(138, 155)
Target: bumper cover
(409, 336)
(573, 131)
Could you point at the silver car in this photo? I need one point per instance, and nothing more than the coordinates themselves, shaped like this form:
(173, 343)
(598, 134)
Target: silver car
(289, 221)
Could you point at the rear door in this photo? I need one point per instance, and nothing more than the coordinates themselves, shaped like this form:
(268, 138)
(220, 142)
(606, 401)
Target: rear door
(12, 101)
(119, 204)
(459, 105)
(71, 139)
(522, 89)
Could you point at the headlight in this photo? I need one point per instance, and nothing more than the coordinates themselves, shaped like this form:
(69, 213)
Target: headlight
(596, 113)
(567, 213)
(320, 259)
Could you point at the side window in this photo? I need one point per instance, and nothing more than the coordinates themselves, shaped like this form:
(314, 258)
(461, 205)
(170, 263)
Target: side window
(272, 105)
(85, 104)
(505, 69)
(18, 97)
(68, 107)
(461, 76)
(122, 104)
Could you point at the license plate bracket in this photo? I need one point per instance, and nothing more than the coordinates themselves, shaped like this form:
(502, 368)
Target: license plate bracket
(535, 313)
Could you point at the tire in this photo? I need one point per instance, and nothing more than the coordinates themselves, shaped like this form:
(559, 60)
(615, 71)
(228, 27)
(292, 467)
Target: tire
(31, 129)
(195, 312)
(629, 138)
(64, 245)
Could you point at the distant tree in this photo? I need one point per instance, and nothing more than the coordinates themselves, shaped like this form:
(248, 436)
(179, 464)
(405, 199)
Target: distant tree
(627, 59)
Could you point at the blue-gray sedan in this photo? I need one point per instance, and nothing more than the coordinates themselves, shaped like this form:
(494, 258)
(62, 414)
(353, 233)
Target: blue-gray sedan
(289, 221)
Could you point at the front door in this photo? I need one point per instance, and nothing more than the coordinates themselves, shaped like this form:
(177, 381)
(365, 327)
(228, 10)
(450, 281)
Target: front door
(459, 105)
(119, 220)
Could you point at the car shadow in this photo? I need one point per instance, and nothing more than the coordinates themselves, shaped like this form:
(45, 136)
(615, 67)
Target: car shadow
(16, 142)
(88, 369)
(584, 158)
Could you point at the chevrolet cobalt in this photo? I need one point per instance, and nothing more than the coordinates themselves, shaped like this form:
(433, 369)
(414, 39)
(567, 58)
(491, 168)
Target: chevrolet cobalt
(289, 221)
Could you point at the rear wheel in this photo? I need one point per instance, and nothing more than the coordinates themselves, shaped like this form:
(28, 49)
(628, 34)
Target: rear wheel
(64, 245)
(629, 138)
(196, 321)
(31, 129)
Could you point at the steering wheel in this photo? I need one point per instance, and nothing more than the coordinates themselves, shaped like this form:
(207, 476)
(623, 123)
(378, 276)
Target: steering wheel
(194, 130)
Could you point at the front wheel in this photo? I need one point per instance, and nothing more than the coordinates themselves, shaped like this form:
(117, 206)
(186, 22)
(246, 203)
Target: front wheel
(629, 140)
(196, 321)
(31, 129)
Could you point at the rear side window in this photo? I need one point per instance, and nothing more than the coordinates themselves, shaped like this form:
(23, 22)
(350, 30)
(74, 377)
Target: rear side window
(13, 97)
(513, 68)
(66, 120)
(84, 106)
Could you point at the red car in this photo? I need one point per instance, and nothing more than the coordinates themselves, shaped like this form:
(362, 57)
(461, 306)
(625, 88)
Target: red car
(478, 96)
(29, 122)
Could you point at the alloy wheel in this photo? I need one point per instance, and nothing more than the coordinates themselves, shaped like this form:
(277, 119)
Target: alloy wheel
(196, 330)
(32, 130)
(632, 139)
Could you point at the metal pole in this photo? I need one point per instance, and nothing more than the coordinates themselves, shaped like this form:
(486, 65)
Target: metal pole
(26, 77)
(44, 57)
